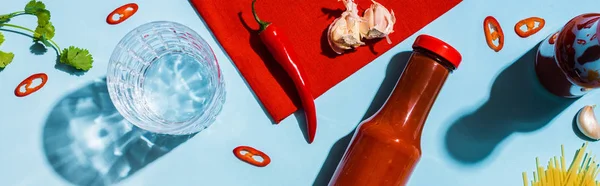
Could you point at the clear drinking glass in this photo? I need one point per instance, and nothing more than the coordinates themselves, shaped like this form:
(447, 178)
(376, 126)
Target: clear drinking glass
(163, 77)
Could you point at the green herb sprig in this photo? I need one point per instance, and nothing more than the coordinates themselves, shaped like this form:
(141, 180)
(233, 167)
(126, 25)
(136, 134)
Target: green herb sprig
(75, 57)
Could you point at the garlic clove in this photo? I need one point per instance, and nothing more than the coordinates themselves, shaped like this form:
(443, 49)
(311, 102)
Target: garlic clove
(337, 48)
(587, 123)
(379, 22)
(344, 32)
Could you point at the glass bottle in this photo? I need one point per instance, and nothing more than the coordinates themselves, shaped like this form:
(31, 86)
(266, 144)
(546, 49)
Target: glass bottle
(386, 147)
(568, 61)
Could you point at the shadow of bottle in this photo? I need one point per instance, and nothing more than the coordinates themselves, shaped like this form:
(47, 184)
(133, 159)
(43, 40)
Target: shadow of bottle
(87, 142)
(517, 103)
(392, 74)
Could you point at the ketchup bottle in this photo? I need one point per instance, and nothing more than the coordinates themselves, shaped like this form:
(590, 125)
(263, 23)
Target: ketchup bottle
(568, 61)
(386, 147)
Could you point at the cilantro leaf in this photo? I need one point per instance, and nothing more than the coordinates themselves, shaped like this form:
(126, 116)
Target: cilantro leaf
(5, 58)
(77, 58)
(44, 32)
(33, 7)
(43, 17)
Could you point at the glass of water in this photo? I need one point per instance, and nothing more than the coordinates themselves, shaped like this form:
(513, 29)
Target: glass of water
(164, 78)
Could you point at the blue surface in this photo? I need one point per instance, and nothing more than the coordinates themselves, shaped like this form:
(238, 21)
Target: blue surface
(484, 129)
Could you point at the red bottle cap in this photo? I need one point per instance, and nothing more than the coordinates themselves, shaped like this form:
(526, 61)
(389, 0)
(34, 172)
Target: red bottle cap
(438, 47)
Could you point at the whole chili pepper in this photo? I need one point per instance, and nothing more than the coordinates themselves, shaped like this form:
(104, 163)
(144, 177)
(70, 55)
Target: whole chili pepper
(493, 32)
(123, 13)
(248, 157)
(28, 82)
(530, 24)
(281, 49)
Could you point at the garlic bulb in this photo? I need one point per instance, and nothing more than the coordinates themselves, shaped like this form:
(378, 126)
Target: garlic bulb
(587, 123)
(344, 32)
(379, 22)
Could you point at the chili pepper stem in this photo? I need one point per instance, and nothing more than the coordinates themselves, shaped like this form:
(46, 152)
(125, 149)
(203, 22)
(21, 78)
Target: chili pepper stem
(263, 24)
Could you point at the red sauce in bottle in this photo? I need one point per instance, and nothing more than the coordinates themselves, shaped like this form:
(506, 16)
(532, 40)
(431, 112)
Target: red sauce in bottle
(568, 64)
(386, 147)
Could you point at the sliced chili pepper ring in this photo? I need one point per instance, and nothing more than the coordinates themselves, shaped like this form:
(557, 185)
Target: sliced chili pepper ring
(248, 157)
(122, 13)
(493, 31)
(530, 26)
(28, 82)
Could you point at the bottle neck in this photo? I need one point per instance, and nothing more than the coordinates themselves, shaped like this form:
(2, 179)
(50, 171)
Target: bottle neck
(408, 106)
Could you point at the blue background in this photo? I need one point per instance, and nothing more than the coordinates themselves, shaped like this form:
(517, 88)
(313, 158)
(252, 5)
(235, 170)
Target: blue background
(484, 129)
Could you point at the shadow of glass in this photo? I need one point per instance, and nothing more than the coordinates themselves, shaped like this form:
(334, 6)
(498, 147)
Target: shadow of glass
(393, 72)
(87, 142)
(517, 103)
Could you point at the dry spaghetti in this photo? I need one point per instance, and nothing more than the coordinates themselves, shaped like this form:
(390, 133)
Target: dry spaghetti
(582, 171)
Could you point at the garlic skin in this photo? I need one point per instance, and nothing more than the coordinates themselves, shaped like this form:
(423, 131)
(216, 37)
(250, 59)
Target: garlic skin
(587, 123)
(344, 32)
(379, 22)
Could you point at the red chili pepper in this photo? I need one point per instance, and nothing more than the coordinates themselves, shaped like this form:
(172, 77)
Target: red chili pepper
(28, 82)
(249, 156)
(123, 13)
(280, 47)
(493, 32)
(530, 24)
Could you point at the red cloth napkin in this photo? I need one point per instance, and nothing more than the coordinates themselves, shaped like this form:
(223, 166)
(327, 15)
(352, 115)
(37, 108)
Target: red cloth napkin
(306, 23)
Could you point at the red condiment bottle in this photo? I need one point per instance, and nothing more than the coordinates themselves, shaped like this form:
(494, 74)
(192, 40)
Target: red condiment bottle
(568, 61)
(386, 147)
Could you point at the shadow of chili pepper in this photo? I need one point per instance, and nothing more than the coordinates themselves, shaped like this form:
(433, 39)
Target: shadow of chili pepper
(299, 115)
(274, 68)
